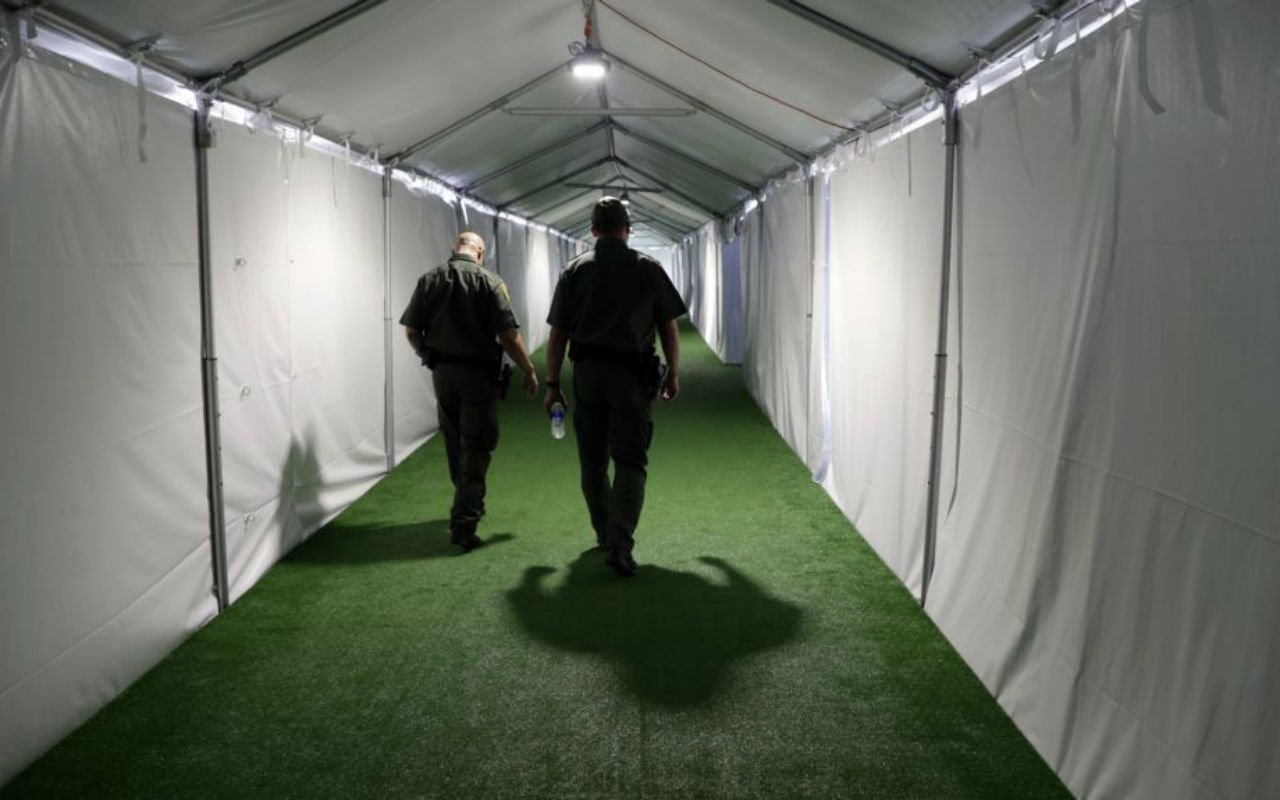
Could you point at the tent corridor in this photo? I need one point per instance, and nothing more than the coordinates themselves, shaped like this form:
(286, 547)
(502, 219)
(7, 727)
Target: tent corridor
(372, 661)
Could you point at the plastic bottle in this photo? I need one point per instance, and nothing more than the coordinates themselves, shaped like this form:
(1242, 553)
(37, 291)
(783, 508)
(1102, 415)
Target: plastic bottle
(557, 421)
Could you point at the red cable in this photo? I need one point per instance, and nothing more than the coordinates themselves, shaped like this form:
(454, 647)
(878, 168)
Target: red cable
(716, 69)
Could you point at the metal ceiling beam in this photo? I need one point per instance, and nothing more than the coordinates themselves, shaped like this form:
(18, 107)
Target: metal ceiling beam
(532, 157)
(487, 109)
(688, 198)
(645, 214)
(556, 182)
(924, 71)
(666, 227)
(560, 203)
(668, 215)
(680, 154)
(243, 67)
(792, 153)
(578, 111)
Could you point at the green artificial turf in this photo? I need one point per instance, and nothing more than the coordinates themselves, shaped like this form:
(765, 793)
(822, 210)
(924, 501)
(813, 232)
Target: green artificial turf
(762, 651)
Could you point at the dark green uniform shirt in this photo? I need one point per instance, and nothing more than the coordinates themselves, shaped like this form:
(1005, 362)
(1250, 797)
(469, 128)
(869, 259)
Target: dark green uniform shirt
(614, 297)
(461, 308)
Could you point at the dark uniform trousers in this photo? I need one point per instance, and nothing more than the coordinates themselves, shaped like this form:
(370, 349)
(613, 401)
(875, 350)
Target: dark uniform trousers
(612, 419)
(467, 402)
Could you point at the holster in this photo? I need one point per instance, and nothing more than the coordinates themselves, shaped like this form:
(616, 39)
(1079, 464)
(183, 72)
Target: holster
(504, 379)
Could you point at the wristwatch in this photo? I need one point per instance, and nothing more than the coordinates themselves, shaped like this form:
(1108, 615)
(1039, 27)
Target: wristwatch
(553, 384)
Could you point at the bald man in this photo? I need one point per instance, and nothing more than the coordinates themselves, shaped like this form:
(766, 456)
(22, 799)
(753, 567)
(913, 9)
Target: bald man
(459, 321)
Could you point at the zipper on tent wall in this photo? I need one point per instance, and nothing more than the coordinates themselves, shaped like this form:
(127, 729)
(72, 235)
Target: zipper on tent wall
(209, 359)
(951, 137)
(388, 389)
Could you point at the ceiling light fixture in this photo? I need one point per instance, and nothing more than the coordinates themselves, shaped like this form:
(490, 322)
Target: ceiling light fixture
(587, 63)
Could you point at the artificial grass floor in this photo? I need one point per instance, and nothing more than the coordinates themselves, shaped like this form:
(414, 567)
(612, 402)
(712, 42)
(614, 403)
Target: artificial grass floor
(762, 651)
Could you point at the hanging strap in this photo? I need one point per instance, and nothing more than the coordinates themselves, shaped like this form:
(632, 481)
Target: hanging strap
(1144, 72)
(1050, 37)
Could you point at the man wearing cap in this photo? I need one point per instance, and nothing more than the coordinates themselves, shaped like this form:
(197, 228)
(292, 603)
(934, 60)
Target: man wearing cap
(459, 321)
(607, 308)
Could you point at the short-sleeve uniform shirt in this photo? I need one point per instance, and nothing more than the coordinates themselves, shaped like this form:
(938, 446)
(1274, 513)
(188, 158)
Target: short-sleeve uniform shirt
(461, 308)
(614, 297)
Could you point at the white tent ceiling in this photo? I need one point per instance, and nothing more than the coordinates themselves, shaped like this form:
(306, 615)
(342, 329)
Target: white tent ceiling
(394, 73)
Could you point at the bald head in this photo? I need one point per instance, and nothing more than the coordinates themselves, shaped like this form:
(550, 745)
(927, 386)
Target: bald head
(471, 244)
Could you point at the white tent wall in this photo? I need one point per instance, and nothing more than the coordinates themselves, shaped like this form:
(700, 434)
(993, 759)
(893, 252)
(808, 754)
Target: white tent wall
(423, 230)
(1108, 565)
(705, 301)
(335, 225)
(538, 284)
(883, 281)
(1109, 568)
(103, 502)
(731, 311)
(776, 298)
(714, 292)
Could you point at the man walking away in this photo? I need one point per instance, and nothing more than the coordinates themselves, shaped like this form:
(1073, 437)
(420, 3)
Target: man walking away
(608, 305)
(459, 322)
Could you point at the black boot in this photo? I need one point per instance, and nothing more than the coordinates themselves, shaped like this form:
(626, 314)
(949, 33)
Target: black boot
(467, 540)
(622, 563)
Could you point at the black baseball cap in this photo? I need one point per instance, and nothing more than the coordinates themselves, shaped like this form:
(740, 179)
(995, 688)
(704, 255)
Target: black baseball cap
(610, 214)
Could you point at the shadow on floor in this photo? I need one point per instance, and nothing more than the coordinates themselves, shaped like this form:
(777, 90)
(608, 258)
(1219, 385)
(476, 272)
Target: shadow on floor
(675, 635)
(359, 544)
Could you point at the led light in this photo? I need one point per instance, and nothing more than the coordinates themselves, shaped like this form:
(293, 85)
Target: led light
(589, 70)
(588, 64)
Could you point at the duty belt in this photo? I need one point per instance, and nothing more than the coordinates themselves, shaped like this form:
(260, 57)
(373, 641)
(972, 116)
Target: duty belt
(580, 351)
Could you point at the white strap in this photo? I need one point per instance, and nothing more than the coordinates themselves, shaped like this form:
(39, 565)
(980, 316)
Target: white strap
(1077, 59)
(1144, 72)
(138, 56)
(1047, 42)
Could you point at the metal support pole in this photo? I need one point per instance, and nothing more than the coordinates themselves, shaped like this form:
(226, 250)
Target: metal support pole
(388, 387)
(950, 142)
(209, 361)
(811, 245)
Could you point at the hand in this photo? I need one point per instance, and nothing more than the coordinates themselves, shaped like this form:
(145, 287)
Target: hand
(670, 386)
(531, 383)
(554, 395)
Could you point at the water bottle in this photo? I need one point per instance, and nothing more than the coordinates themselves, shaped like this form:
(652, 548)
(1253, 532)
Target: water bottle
(557, 421)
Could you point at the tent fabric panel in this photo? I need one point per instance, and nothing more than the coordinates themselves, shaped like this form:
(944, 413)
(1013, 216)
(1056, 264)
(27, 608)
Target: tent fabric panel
(103, 501)
(248, 213)
(758, 44)
(936, 31)
(423, 230)
(886, 245)
(776, 300)
(425, 71)
(208, 36)
(1109, 565)
(701, 135)
(298, 264)
(338, 357)
(498, 138)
